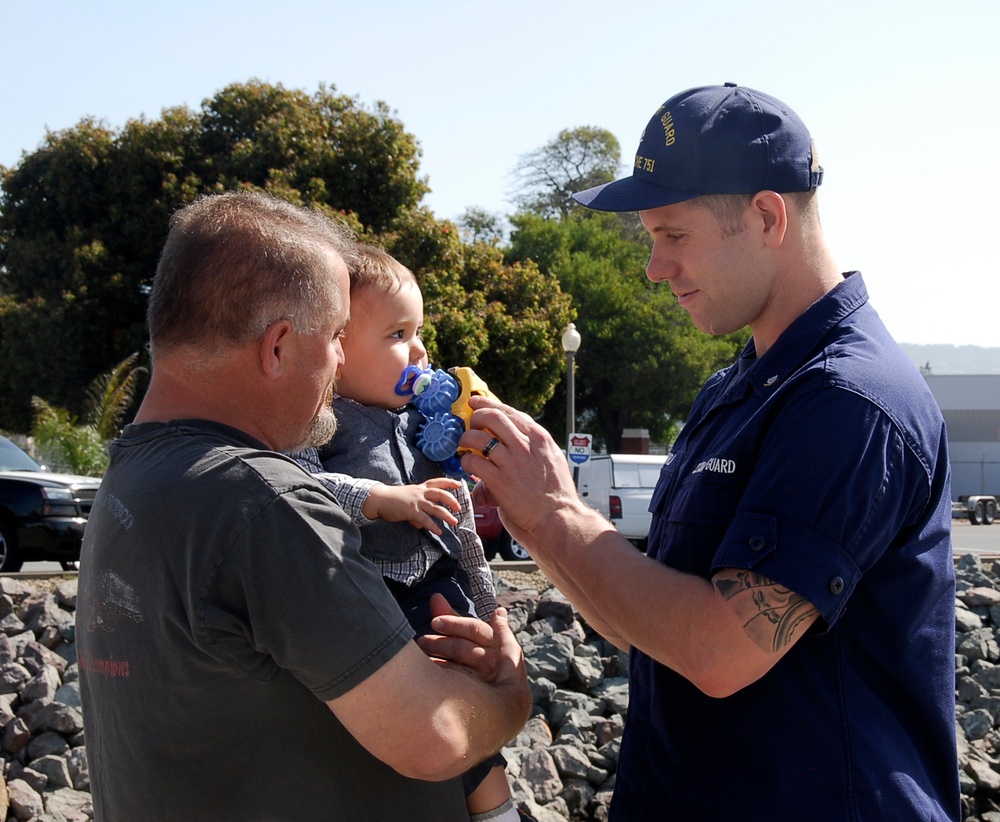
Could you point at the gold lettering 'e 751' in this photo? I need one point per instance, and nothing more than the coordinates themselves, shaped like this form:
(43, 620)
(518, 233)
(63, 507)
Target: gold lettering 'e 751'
(645, 163)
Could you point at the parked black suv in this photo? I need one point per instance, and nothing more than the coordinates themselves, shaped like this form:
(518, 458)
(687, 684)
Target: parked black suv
(42, 514)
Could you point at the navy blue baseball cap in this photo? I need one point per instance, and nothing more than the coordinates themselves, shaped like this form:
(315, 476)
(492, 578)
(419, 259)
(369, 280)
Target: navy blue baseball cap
(713, 140)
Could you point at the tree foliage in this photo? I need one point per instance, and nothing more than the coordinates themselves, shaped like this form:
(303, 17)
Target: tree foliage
(481, 226)
(83, 218)
(641, 361)
(81, 448)
(503, 320)
(110, 395)
(577, 159)
(68, 445)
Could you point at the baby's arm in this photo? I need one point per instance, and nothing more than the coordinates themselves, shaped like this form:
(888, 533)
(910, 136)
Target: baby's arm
(366, 500)
(417, 504)
(351, 492)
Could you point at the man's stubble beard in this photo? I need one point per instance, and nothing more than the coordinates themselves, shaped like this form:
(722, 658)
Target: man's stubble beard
(323, 426)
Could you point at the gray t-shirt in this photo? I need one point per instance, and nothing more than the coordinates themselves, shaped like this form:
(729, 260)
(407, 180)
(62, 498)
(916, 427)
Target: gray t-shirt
(222, 600)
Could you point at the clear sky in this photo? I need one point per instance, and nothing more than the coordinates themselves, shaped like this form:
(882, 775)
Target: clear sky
(900, 96)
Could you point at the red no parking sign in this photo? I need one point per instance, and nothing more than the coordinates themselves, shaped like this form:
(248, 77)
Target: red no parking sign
(579, 448)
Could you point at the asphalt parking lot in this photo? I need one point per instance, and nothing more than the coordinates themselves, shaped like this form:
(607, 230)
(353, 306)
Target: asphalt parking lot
(966, 538)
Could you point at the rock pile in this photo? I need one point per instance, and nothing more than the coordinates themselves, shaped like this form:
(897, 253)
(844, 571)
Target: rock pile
(562, 765)
(977, 686)
(45, 773)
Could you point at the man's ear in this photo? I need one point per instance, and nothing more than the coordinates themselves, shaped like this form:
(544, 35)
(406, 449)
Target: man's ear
(769, 206)
(273, 348)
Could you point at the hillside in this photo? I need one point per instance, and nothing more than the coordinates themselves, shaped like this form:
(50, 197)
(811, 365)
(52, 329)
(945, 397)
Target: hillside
(954, 359)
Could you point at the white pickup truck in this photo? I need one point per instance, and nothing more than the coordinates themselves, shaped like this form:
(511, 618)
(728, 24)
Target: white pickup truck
(620, 486)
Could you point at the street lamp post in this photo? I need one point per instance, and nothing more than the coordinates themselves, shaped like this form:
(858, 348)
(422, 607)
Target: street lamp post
(570, 344)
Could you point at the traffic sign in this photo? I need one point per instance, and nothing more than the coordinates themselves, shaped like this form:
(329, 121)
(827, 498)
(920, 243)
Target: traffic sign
(579, 448)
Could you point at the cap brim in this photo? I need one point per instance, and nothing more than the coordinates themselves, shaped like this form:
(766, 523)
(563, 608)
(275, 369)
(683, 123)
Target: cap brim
(630, 194)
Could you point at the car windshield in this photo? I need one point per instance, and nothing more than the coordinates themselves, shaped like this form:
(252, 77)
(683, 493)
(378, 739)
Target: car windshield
(13, 458)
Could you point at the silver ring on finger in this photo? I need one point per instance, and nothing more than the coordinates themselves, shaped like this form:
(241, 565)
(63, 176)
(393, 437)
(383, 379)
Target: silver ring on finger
(488, 448)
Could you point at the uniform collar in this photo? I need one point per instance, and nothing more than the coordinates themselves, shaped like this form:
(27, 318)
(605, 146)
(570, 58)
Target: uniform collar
(803, 338)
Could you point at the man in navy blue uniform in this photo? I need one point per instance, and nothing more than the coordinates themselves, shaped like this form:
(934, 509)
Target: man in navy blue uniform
(791, 628)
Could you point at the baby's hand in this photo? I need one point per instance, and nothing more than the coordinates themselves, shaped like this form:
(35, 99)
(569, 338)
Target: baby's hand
(417, 504)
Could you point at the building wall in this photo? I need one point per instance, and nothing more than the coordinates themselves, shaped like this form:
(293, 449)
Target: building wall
(971, 407)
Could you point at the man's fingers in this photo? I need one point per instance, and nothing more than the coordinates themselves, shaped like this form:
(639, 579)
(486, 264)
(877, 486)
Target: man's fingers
(518, 420)
(459, 651)
(498, 620)
(466, 641)
(481, 495)
(440, 606)
(465, 628)
(427, 524)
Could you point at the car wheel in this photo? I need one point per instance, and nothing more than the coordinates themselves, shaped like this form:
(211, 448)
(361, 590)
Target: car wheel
(512, 550)
(977, 514)
(68, 565)
(991, 512)
(10, 559)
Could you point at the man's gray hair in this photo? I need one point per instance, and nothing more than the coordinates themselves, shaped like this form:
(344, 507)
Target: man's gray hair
(234, 263)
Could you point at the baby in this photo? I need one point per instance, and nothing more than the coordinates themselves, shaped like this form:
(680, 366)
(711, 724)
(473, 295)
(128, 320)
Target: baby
(383, 480)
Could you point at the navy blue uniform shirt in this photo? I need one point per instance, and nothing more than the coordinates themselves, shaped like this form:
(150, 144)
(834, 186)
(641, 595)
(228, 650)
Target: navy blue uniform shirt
(822, 466)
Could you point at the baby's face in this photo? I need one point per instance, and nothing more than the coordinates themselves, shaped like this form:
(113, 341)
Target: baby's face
(381, 339)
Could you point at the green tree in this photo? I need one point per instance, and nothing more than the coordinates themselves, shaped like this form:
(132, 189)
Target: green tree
(82, 219)
(577, 159)
(81, 448)
(67, 444)
(324, 149)
(503, 320)
(641, 361)
(481, 226)
(110, 395)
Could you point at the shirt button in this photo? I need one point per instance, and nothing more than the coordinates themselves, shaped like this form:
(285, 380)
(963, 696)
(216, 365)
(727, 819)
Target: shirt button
(757, 543)
(836, 585)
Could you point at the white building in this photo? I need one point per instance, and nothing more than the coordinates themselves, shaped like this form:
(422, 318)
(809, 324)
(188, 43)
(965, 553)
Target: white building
(971, 407)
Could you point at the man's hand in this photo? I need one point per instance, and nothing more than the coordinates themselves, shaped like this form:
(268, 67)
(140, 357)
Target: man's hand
(430, 721)
(416, 504)
(526, 475)
(486, 650)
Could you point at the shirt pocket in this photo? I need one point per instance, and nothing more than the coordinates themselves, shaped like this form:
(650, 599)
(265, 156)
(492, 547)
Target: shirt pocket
(707, 498)
(690, 521)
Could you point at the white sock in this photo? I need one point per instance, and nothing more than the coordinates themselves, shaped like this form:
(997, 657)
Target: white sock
(502, 813)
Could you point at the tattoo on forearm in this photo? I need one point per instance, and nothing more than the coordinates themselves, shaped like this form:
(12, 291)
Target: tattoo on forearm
(773, 616)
